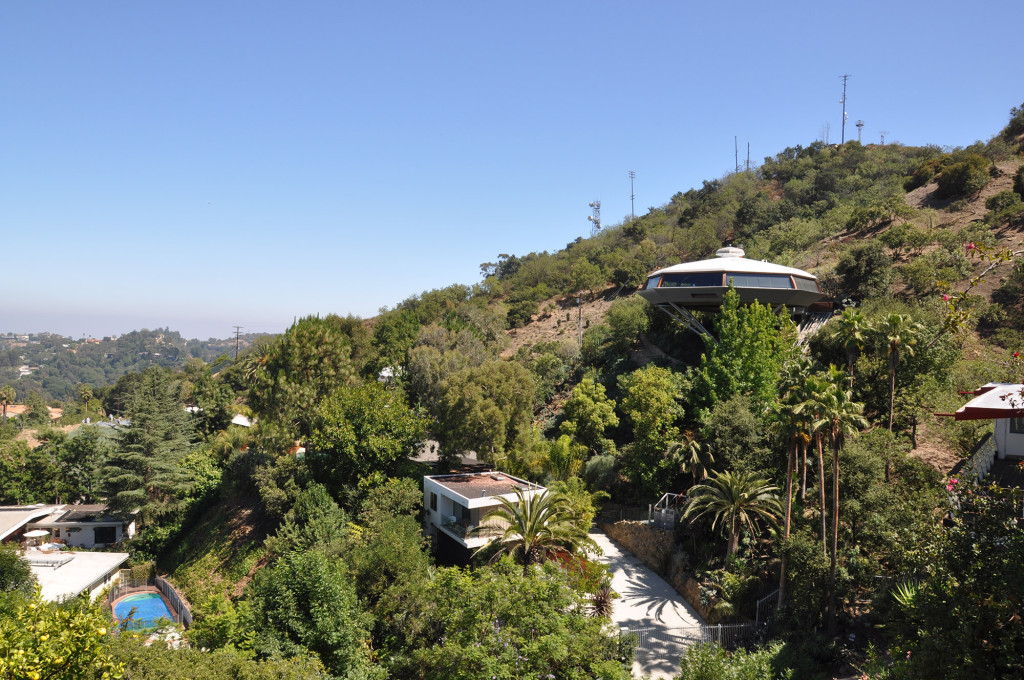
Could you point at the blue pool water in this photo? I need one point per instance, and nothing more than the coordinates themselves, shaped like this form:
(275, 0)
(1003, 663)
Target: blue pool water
(148, 608)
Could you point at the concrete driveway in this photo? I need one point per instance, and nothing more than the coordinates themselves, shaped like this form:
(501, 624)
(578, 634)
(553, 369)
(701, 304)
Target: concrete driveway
(648, 602)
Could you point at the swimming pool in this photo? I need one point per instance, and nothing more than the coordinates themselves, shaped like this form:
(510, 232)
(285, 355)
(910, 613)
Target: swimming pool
(148, 608)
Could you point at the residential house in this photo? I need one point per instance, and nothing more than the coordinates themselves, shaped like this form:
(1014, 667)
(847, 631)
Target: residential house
(455, 506)
(85, 526)
(1000, 456)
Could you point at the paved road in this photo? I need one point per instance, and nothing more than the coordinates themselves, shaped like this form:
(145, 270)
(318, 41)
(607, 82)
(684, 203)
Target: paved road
(647, 601)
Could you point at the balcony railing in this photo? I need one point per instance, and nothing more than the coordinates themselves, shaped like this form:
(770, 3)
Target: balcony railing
(462, 528)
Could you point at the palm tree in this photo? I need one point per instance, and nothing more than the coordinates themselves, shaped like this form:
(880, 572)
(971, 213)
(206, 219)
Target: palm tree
(813, 403)
(791, 385)
(793, 425)
(7, 396)
(852, 330)
(734, 501)
(85, 394)
(898, 332)
(695, 458)
(536, 527)
(841, 416)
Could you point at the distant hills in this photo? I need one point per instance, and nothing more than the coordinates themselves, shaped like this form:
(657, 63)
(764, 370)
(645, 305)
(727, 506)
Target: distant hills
(54, 365)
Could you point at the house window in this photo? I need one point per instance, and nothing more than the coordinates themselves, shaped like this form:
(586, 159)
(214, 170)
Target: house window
(433, 501)
(104, 535)
(1017, 425)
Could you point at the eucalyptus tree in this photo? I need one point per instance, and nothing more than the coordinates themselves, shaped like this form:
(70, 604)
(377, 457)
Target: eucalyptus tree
(734, 501)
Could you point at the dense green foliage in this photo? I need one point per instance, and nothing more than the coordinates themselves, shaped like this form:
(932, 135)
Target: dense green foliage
(299, 539)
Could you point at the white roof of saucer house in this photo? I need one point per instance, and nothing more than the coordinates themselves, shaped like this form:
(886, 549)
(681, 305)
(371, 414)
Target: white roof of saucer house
(732, 260)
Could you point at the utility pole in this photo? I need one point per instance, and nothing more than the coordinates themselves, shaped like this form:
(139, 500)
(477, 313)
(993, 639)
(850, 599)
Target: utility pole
(748, 156)
(842, 101)
(238, 334)
(632, 211)
(579, 304)
(736, 150)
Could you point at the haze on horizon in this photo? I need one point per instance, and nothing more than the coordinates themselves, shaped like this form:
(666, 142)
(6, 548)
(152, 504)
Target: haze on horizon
(217, 164)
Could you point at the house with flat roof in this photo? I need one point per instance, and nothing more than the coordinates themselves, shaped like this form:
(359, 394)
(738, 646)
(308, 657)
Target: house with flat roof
(85, 526)
(455, 506)
(14, 519)
(63, 574)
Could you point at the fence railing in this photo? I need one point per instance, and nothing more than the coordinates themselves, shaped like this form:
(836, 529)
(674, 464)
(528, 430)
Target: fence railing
(766, 608)
(178, 605)
(179, 608)
(612, 515)
(981, 460)
(650, 639)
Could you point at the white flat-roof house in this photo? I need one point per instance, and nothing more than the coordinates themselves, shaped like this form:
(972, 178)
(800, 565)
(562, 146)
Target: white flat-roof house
(85, 526)
(456, 504)
(60, 572)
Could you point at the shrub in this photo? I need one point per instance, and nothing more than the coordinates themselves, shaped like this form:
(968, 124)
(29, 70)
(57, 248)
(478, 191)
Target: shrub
(1002, 200)
(966, 177)
(1018, 181)
(864, 271)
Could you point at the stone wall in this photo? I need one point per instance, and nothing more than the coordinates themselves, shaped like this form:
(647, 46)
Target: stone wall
(657, 549)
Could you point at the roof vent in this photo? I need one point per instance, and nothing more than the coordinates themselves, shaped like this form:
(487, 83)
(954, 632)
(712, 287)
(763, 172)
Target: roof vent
(729, 252)
(496, 476)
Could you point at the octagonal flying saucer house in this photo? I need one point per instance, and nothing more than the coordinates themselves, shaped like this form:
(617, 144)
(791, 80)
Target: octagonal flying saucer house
(678, 289)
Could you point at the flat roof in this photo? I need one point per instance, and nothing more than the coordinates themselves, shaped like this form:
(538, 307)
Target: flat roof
(72, 577)
(477, 484)
(14, 517)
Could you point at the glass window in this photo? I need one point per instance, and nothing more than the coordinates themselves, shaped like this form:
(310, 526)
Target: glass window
(759, 280)
(653, 282)
(807, 284)
(1017, 425)
(696, 280)
(433, 501)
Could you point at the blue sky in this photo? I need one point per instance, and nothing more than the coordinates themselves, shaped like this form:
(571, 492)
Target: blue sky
(201, 165)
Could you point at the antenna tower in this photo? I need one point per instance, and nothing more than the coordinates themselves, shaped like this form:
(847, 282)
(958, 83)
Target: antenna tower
(595, 219)
(632, 212)
(860, 126)
(884, 133)
(842, 101)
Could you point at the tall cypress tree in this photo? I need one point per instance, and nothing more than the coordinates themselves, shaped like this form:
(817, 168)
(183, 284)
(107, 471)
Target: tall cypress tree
(145, 471)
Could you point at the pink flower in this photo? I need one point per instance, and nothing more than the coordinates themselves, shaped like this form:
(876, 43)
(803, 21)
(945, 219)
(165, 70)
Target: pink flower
(945, 298)
(970, 246)
(1016, 355)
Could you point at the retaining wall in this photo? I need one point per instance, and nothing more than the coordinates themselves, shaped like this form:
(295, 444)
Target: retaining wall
(657, 549)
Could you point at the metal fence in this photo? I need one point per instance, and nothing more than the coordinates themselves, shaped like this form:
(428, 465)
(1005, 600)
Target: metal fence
(611, 515)
(676, 640)
(179, 608)
(766, 608)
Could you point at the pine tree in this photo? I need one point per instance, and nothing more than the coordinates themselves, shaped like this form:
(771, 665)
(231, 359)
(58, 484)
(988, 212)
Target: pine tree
(145, 472)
